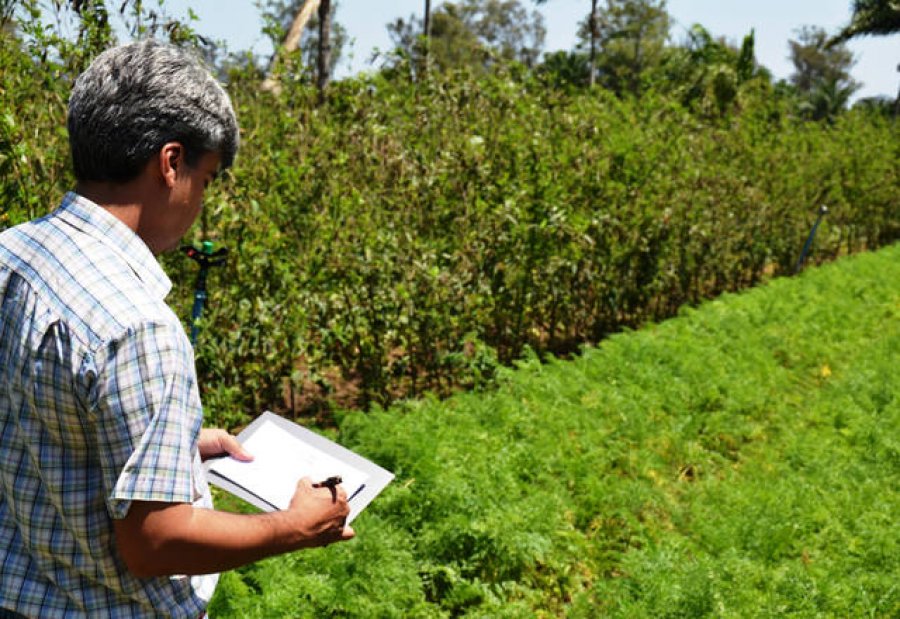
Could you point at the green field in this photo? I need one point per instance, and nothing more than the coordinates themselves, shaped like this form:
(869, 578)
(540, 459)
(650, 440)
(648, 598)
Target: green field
(742, 459)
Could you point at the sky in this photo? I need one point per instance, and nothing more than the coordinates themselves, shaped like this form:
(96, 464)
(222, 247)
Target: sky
(239, 24)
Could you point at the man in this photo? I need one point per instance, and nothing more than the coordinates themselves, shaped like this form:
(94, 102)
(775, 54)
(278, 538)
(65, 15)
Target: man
(104, 509)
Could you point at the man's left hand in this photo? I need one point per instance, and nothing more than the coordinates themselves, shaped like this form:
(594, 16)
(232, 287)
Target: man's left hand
(217, 442)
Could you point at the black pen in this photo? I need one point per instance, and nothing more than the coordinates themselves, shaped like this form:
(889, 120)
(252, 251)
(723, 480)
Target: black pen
(358, 490)
(331, 482)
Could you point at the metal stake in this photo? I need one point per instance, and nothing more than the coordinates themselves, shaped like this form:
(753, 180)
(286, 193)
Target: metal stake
(823, 210)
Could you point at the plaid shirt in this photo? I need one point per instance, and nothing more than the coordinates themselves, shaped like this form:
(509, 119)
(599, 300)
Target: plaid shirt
(98, 408)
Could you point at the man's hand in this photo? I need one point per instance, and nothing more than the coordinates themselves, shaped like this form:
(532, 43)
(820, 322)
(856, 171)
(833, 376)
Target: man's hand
(216, 442)
(161, 539)
(320, 514)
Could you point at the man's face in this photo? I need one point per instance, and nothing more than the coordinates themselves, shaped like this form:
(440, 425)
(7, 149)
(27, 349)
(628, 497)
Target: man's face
(186, 198)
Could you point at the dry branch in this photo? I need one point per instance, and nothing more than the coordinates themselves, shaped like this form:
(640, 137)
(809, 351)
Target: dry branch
(291, 41)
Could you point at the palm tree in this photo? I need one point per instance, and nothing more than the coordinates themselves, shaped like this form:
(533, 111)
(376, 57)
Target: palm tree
(826, 100)
(870, 17)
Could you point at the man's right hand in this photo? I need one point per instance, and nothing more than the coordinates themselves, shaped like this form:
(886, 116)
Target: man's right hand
(320, 514)
(162, 539)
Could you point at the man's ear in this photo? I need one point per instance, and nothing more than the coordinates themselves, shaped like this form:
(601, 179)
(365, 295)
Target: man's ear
(171, 158)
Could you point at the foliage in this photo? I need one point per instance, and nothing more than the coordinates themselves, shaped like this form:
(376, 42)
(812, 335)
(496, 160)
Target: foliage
(564, 70)
(464, 215)
(463, 220)
(707, 74)
(821, 73)
(37, 65)
(871, 17)
(404, 238)
(475, 34)
(739, 460)
(881, 104)
(632, 38)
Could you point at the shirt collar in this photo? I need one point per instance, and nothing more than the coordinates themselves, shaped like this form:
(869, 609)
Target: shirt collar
(101, 225)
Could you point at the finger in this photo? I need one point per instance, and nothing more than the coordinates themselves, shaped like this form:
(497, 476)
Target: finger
(338, 534)
(306, 483)
(234, 449)
(343, 509)
(341, 493)
(338, 494)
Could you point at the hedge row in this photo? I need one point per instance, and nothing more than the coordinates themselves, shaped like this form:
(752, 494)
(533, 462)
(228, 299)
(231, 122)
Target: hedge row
(401, 238)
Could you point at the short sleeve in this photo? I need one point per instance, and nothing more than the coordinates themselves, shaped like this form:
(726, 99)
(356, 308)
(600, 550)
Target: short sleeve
(148, 417)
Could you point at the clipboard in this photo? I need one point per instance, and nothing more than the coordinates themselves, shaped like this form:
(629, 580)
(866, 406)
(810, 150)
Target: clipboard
(284, 452)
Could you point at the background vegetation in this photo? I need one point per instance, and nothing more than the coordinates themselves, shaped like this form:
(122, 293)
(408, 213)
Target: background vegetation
(409, 231)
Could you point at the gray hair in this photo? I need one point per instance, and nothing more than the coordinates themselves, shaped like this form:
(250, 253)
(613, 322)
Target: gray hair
(135, 98)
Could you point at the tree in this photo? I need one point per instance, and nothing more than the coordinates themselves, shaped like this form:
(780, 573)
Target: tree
(870, 17)
(631, 35)
(7, 8)
(473, 33)
(707, 73)
(308, 26)
(567, 66)
(821, 73)
(450, 42)
(565, 69)
(875, 17)
(826, 100)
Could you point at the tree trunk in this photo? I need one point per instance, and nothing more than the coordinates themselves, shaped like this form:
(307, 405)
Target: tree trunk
(638, 67)
(427, 33)
(897, 102)
(593, 63)
(291, 40)
(324, 56)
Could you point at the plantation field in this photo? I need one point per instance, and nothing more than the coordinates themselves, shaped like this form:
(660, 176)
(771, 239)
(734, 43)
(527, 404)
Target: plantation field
(740, 460)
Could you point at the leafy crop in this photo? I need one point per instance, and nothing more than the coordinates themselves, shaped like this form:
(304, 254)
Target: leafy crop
(739, 460)
(405, 238)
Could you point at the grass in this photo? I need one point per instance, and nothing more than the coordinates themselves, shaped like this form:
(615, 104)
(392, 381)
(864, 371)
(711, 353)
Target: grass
(741, 460)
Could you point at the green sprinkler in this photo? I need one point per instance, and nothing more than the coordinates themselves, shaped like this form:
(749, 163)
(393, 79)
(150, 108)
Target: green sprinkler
(206, 258)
